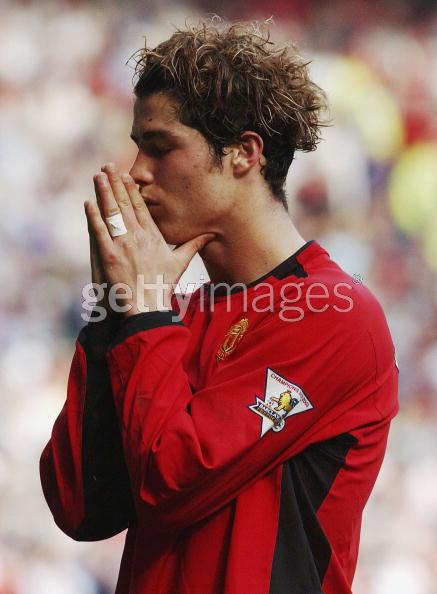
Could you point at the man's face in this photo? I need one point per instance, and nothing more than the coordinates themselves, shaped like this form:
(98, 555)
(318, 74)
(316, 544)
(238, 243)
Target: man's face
(185, 192)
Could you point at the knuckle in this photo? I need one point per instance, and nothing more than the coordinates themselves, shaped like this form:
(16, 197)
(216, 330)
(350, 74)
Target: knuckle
(99, 229)
(123, 201)
(110, 258)
(102, 191)
(138, 235)
(137, 202)
(127, 182)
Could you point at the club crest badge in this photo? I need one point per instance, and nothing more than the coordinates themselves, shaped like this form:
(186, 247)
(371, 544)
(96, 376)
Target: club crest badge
(233, 337)
(282, 399)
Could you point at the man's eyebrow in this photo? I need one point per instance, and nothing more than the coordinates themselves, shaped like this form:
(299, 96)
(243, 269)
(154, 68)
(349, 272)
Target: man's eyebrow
(154, 134)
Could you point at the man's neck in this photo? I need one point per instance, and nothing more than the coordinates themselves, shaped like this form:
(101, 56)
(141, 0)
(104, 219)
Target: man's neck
(252, 244)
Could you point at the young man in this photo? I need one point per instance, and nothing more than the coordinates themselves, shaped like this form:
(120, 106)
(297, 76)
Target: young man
(239, 441)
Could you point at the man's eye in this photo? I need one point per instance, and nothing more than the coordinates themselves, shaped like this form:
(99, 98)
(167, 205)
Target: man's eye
(157, 151)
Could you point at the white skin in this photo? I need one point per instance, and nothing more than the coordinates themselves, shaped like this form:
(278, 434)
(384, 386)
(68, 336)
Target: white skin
(176, 194)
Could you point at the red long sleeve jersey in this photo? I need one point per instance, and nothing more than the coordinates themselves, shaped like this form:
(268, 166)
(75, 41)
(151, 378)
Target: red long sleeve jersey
(238, 446)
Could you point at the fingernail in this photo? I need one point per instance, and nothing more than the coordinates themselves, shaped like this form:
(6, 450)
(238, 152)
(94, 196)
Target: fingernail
(126, 177)
(110, 167)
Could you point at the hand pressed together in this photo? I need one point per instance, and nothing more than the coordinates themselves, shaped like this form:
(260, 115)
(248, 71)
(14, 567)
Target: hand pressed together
(139, 259)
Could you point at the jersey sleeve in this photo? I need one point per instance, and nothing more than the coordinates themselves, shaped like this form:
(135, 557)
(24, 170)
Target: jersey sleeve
(292, 384)
(82, 468)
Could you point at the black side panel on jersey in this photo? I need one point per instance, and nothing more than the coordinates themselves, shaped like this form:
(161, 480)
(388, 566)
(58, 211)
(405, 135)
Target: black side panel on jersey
(109, 506)
(302, 551)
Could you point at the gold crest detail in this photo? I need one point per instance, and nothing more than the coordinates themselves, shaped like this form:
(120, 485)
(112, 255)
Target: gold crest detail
(233, 337)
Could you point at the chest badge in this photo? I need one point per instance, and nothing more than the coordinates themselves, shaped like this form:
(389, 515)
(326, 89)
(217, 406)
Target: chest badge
(232, 339)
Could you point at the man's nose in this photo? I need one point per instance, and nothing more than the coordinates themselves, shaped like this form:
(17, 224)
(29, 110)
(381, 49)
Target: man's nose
(141, 170)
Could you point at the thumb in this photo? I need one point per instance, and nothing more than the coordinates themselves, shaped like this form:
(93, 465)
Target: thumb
(187, 250)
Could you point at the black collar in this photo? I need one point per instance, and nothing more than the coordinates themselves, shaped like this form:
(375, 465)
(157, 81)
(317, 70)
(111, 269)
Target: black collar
(290, 266)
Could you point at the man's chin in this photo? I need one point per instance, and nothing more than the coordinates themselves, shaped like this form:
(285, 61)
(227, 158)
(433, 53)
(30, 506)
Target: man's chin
(174, 236)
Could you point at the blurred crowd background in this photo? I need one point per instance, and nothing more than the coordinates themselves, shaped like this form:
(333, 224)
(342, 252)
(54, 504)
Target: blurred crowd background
(368, 195)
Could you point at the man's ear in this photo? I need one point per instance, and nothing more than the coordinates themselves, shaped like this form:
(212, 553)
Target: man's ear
(247, 153)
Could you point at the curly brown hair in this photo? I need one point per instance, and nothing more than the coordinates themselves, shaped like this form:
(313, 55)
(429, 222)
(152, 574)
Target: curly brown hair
(232, 78)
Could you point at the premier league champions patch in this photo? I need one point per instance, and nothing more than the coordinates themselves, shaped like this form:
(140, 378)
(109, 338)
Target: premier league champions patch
(282, 399)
